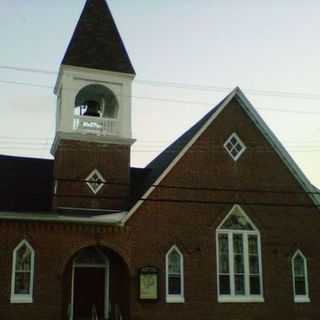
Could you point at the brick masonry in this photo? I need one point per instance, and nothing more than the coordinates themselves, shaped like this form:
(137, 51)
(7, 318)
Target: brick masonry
(156, 226)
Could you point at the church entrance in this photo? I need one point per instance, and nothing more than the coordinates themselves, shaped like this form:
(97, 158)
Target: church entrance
(89, 293)
(97, 286)
(90, 285)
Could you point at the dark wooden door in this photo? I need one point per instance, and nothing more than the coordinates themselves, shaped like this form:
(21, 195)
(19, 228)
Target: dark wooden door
(89, 291)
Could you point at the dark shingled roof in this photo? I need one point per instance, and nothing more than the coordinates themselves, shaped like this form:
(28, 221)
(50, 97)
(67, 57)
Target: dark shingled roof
(96, 42)
(25, 184)
(158, 165)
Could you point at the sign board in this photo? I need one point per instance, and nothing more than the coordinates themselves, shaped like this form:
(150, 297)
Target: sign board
(148, 283)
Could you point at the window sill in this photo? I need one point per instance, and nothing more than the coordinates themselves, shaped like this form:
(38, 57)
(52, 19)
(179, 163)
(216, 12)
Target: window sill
(21, 299)
(175, 299)
(248, 299)
(302, 299)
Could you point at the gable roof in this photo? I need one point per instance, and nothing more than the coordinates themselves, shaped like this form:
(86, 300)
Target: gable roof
(96, 42)
(166, 160)
(26, 184)
(159, 164)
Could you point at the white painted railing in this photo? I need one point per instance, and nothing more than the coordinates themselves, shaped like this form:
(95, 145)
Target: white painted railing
(95, 125)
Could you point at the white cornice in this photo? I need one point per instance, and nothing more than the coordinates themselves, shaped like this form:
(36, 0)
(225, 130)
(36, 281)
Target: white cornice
(264, 129)
(108, 219)
(73, 136)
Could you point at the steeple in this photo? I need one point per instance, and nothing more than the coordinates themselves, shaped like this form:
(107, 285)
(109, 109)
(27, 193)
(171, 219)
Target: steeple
(93, 118)
(96, 42)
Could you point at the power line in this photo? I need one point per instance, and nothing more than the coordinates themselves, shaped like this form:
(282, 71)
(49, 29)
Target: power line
(178, 85)
(158, 99)
(204, 202)
(167, 186)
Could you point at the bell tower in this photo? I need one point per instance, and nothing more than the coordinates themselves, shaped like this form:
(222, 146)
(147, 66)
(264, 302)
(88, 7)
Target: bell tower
(93, 117)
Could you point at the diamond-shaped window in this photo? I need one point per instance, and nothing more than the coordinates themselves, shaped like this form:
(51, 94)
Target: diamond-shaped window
(95, 181)
(234, 146)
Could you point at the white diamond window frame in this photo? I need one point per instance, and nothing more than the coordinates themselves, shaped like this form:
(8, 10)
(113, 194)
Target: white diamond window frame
(234, 146)
(99, 180)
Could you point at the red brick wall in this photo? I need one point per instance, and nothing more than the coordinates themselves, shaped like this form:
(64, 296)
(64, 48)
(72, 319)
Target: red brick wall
(156, 226)
(75, 160)
(192, 227)
(55, 245)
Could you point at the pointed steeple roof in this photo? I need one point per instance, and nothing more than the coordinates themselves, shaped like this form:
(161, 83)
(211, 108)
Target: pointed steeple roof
(96, 42)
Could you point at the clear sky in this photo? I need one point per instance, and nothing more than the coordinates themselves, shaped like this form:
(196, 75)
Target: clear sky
(268, 48)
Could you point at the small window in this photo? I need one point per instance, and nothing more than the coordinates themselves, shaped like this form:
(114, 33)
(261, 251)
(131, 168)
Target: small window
(234, 146)
(239, 259)
(95, 181)
(22, 273)
(174, 276)
(300, 278)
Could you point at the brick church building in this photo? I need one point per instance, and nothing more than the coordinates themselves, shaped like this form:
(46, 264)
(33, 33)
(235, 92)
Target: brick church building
(221, 225)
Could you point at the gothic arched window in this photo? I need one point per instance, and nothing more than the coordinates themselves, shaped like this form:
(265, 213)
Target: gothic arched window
(22, 273)
(238, 259)
(174, 276)
(300, 277)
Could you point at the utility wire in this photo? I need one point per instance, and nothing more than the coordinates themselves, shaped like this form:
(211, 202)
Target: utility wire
(166, 186)
(179, 85)
(167, 100)
(188, 201)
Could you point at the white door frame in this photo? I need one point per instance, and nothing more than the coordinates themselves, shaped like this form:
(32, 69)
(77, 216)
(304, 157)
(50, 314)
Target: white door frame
(106, 266)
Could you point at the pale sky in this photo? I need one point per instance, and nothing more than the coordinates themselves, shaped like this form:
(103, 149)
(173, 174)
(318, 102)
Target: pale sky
(268, 48)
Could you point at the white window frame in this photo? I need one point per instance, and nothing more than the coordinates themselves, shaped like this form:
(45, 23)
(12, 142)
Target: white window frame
(16, 297)
(232, 297)
(175, 298)
(305, 298)
(93, 172)
(234, 135)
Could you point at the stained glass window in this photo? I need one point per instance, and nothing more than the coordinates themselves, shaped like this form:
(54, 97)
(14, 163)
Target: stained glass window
(300, 281)
(174, 262)
(23, 269)
(239, 258)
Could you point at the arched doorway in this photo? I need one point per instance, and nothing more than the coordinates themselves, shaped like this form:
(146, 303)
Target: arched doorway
(97, 282)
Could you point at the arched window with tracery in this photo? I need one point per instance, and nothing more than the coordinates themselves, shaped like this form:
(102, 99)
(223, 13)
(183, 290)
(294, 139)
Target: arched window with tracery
(300, 277)
(238, 259)
(174, 276)
(22, 273)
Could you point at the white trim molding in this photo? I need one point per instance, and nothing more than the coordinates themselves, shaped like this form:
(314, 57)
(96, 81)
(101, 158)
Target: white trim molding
(106, 267)
(234, 146)
(95, 178)
(22, 297)
(298, 297)
(173, 297)
(239, 265)
(262, 127)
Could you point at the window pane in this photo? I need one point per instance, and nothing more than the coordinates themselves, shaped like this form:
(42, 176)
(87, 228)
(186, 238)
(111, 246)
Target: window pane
(223, 243)
(238, 264)
(238, 253)
(223, 253)
(23, 259)
(22, 283)
(238, 244)
(174, 262)
(300, 286)
(254, 285)
(237, 221)
(224, 264)
(253, 265)
(253, 244)
(224, 284)
(238, 147)
(174, 284)
(239, 284)
(299, 266)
